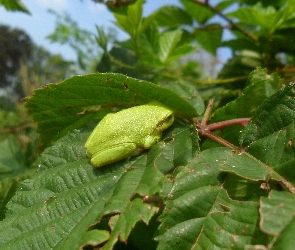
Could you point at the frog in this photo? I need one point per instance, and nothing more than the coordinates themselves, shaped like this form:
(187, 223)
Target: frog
(127, 133)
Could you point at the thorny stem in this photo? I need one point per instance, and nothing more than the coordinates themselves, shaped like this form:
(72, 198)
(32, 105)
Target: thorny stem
(224, 124)
(206, 129)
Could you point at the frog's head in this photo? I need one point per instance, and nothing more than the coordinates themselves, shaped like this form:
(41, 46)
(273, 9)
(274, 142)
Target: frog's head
(165, 117)
(167, 121)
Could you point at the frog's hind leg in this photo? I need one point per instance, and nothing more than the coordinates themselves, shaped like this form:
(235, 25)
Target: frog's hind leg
(113, 154)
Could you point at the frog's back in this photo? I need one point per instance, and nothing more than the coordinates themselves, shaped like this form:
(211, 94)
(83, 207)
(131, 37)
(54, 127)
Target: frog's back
(135, 122)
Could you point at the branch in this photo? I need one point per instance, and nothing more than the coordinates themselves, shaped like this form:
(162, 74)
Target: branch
(16, 129)
(223, 124)
(219, 139)
(177, 77)
(230, 21)
(207, 113)
(206, 129)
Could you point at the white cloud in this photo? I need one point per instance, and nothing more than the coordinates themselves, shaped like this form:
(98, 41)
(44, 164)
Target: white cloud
(54, 4)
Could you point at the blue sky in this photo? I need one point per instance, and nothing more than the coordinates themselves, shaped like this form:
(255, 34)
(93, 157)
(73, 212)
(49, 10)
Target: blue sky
(86, 13)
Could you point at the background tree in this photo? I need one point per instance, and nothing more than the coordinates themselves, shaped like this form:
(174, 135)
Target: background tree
(24, 63)
(15, 46)
(82, 41)
(42, 68)
(24, 67)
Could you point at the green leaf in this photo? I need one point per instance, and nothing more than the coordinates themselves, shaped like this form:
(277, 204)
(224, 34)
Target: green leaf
(9, 119)
(240, 66)
(168, 42)
(67, 196)
(286, 239)
(149, 46)
(123, 224)
(123, 57)
(51, 195)
(277, 218)
(265, 17)
(172, 16)
(61, 107)
(14, 5)
(182, 147)
(186, 145)
(283, 40)
(8, 188)
(102, 38)
(242, 189)
(249, 167)
(172, 47)
(189, 93)
(199, 12)
(157, 50)
(66, 187)
(286, 169)
(129, 18)
(275, 113)
(13, 162)
(200, 215)
(242, 44)
(12, 159)
(276, 149)
(209, 37)
(260, 86)
(277, 212)
(181, 50)
(94, 237)
(134, 16)
(130, 211)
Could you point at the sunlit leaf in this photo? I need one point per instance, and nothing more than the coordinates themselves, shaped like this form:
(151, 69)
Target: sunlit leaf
(58, 108)
(199, 214)
(14, 5)
(275, 113)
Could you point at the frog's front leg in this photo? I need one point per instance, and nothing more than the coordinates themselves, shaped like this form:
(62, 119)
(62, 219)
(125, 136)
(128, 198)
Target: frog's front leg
(113, 154)
(151, 140)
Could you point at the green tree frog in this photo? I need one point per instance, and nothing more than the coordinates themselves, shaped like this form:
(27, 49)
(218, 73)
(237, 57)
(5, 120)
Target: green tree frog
(127, 133)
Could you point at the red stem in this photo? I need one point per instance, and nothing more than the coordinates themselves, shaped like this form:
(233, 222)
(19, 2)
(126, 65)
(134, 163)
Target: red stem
(223, 124)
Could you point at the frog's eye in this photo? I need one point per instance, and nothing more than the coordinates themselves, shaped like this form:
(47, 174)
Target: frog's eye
(169, 119)
(166, 122)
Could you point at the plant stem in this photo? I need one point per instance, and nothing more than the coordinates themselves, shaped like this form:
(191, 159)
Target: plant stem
(223, 124)
(288, 185)
(177, 77)
(207, 113)
(206, 129)
(231, 22)
(276, 176)
(17, 128)
(219, 140)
